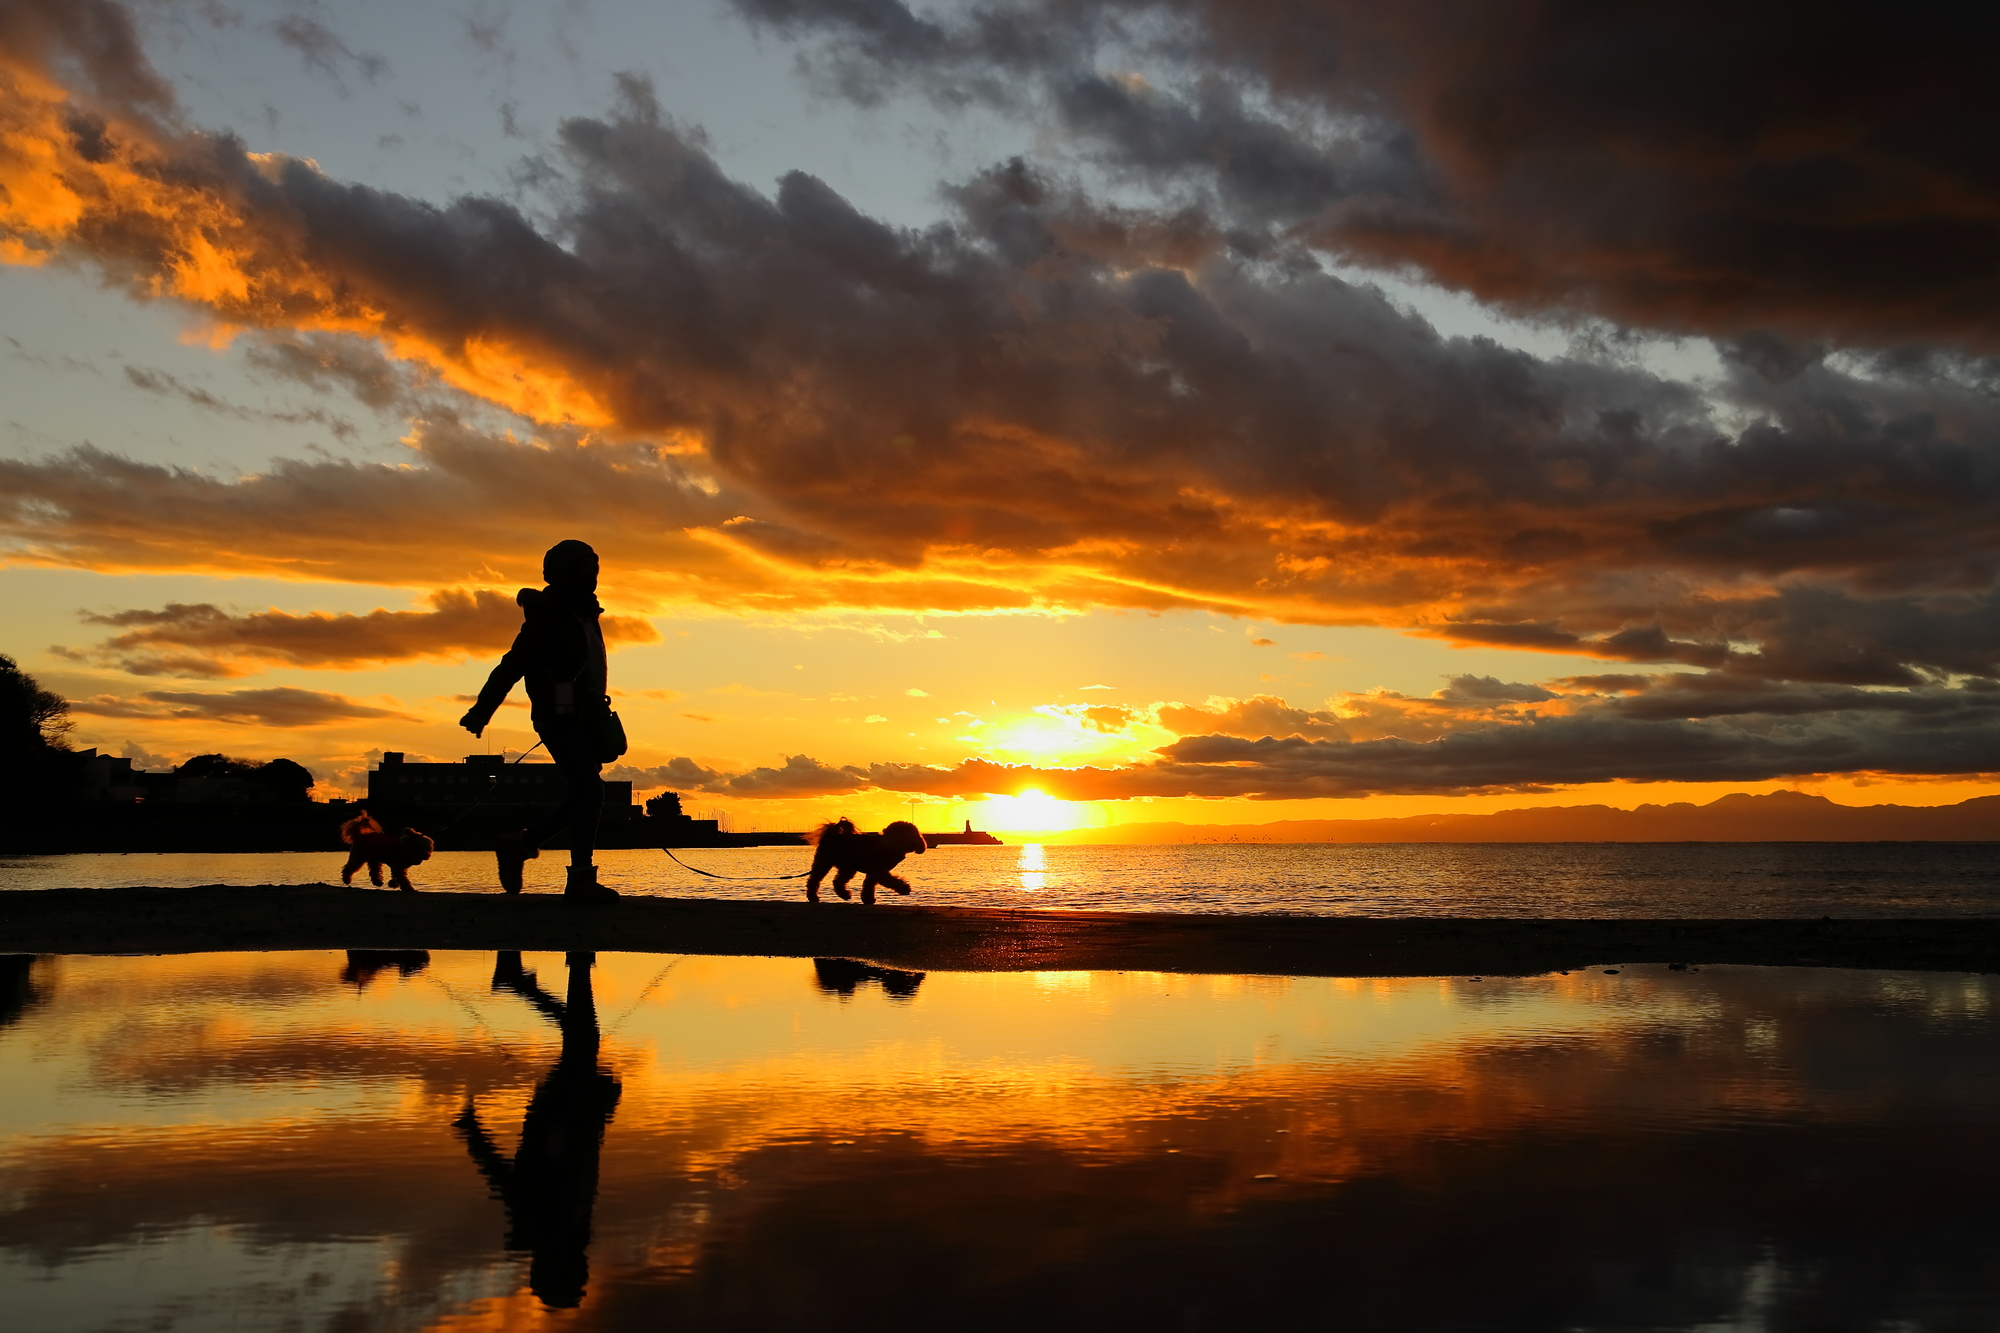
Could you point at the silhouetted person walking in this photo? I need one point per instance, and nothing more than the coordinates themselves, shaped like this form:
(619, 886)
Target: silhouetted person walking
(559, 653)
(550, 1185)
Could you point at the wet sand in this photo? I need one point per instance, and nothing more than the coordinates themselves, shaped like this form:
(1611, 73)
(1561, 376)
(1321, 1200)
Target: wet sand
(946, 939)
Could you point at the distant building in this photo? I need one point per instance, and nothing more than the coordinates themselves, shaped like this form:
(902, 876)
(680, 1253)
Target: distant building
(407, 784)
(110, 777)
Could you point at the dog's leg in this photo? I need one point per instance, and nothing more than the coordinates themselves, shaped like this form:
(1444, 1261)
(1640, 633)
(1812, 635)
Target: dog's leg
(898, 883)
(868, 891)
(347, 871)
(375, 873)
(840, 878)
(399, 878)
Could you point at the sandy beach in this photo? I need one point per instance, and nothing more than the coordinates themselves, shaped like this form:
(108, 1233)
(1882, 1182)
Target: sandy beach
(265, 917)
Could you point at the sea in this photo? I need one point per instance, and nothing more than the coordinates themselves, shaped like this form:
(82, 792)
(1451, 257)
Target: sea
(1577, 880)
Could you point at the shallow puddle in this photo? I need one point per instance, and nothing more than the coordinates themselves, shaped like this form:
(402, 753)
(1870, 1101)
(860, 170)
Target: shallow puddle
(464, 1141)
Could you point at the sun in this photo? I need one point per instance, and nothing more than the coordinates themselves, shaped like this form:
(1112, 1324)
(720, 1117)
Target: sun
(1031, 812)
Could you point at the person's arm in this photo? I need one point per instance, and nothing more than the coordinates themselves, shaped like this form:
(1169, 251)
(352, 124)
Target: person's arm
(485, 1154)
(513, 665)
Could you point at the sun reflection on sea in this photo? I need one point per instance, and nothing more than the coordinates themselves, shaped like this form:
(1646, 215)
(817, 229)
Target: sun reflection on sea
(1034, 877)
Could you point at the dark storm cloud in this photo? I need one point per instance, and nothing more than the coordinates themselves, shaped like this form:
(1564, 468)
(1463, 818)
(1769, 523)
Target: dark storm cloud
(1049, 399)
(1696, 167)
(285, 707)
(1046, 375)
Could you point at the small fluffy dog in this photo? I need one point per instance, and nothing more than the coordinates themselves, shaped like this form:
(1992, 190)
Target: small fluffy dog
(399, 851)
(873, 856)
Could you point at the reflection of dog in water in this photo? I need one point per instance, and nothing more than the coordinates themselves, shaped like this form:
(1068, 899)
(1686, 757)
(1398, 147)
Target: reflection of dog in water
(399, 851)
(840, 976)
(364, 965)
(873, 856)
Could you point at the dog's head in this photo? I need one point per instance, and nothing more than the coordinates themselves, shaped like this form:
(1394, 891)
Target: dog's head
(830, 831)
(415, 847)
(903, 837)
(354, 829)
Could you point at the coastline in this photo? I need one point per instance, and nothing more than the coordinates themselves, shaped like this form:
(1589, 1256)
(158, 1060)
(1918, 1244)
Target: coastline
(947, 939)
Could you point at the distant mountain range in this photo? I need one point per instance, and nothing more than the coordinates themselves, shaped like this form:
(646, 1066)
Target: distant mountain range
(1783, 816)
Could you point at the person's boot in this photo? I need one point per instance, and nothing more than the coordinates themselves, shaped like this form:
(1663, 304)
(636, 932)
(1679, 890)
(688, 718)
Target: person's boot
(583, 886)
(513, 853)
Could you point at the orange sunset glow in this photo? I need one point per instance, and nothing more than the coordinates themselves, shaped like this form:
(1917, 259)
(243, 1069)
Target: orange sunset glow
(973, 490)
(1077, 664)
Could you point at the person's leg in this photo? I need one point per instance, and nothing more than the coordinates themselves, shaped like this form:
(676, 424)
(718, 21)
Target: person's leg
(584, 801)
(575, 754)
(583, 789)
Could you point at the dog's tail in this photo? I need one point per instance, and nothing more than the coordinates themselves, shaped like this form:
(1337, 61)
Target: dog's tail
(835, 828)
(355, 827)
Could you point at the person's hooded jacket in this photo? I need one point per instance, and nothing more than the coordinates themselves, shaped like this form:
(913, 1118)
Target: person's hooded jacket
(560, 643)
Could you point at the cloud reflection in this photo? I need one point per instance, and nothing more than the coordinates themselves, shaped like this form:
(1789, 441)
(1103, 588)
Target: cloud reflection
(1123, 1148)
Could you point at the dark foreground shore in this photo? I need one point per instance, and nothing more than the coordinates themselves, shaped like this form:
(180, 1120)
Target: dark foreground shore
(948, 939)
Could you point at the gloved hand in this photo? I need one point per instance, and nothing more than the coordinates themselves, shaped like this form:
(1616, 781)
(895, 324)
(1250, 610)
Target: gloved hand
(475, 720)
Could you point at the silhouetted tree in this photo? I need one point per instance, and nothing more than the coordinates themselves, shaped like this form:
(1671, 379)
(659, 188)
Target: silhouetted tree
(284, 779)
(35, 759)
(31, 718)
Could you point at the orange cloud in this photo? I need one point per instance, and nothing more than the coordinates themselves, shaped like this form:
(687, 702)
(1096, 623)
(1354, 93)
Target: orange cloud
(285, 707)
(204, 640)
(779, 403)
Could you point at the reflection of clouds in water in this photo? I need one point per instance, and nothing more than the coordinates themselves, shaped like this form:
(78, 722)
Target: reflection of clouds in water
(1174, 1116)
(1033, 878)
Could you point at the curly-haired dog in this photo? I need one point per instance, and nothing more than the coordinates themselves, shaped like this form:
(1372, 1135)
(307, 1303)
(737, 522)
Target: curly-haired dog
(873, 856)
(375, 848)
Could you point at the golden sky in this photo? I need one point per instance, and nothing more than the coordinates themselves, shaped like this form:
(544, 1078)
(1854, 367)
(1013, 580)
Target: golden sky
(946, 443)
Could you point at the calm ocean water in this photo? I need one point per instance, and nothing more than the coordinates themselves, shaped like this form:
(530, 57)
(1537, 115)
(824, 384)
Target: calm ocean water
(1536, 879)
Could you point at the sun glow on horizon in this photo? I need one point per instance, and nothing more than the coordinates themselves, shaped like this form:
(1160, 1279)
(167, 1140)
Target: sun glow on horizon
(1031, 811)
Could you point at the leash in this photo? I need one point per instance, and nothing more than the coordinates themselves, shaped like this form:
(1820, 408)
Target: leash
(712, 875)
(633, 1007)
(492, 786)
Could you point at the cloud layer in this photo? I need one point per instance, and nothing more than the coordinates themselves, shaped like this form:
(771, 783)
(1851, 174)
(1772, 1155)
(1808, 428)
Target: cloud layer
(779, 402)
(205, 640)
(1477, 735)
(1699, 169)
(283, 707)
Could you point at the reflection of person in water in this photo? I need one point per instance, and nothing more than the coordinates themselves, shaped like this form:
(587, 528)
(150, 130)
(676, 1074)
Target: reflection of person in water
(840, 976)
(550, 1185)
